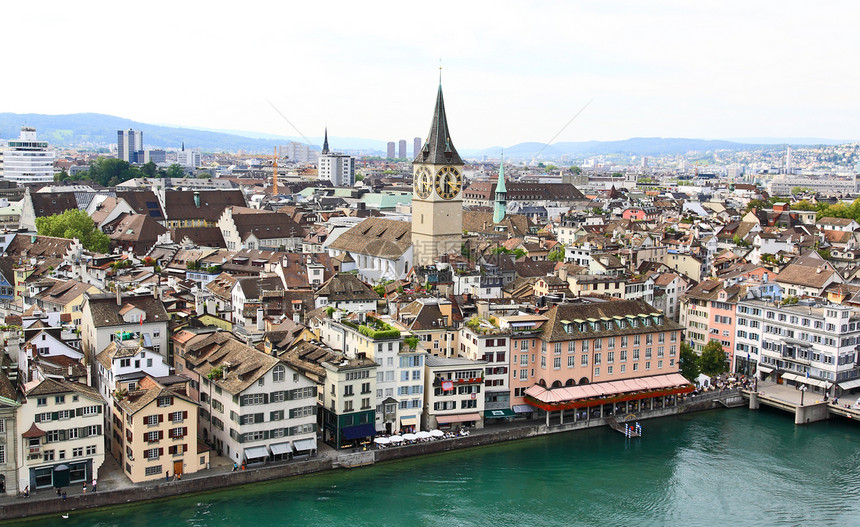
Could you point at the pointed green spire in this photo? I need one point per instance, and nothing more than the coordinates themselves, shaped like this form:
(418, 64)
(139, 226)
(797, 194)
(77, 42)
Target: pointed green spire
(500, 207)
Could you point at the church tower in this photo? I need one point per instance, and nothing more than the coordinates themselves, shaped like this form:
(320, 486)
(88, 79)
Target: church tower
(437, 200)
(501, 206)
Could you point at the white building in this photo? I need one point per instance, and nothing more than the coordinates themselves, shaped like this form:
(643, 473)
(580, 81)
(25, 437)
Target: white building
(126, 362)
(188, 158)
(453, 392)
(60, 427)
(490, 345)
(299, 153)
(106, 318)
(812, 344)
(26, 160)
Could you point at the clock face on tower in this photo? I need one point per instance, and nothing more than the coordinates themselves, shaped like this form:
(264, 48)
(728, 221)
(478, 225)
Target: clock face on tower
(423, 183)
(448, 182)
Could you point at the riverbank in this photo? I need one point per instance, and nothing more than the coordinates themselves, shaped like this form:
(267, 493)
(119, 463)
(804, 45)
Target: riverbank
(12, 508)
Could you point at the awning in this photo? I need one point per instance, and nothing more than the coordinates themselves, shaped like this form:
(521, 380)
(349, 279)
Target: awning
(409, 421)
(848, 385)
(461, 418)
(304, 444)
(354, 432)
(524, 408)
(499, 414)
(805, 380)
(280, 448)
(256, 452)
(764, 369)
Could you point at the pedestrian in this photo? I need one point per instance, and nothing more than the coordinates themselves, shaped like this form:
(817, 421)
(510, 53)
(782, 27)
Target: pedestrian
(85, 487)
(235, 467)
(167, 477)
(243, 465)
(94, 484)
(64, 495)
(58, 492)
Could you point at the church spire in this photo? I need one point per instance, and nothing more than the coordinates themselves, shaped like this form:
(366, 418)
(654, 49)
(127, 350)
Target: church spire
(501, 205)
(325, 142)
(438, 148)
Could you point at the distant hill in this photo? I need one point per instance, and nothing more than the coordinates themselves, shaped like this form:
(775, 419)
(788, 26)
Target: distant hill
(642, 146)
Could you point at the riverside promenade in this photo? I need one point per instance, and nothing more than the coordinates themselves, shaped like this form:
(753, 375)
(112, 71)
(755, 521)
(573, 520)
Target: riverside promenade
(115, 489)
(807, 406)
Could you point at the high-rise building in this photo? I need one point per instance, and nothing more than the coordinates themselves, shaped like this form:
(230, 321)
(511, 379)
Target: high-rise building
(128, 144)
(788, 160)
(390, 154)
(336, 167)
(437, 199)
(188, 158)
(299, 152)
(401, 149)
(26, 160)
(416, 147)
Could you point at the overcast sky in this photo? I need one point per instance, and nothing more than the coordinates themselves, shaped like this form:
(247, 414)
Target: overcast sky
(512, 71)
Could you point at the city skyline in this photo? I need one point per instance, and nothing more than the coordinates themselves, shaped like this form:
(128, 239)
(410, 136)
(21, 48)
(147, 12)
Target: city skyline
(511, 73)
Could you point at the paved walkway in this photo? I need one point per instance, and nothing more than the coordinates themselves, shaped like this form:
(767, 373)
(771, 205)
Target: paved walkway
(789, 394)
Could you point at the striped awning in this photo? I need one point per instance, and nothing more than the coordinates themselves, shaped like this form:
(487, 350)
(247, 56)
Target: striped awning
(605, 392)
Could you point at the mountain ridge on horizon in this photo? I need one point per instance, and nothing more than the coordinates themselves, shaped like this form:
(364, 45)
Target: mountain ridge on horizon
(100, 129)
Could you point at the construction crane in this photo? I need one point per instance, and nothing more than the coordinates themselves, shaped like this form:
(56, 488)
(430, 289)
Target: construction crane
(275, 172)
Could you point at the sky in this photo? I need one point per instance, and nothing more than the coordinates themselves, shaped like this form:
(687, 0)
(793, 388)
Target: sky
(511, 71)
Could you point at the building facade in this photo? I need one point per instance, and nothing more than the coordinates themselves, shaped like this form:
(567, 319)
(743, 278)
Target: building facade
(129, 145)
(27, 160)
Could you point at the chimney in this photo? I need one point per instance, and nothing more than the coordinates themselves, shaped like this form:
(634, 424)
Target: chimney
(562, 273)
(118, 294)
(260, 323)
(70, 371)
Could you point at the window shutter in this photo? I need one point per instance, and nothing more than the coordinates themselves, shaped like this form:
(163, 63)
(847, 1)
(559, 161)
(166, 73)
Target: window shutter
(265, 398)
(185, 414)
(185, 447)
(160, 418)
(160, 451)
(292, 413)
(79, 412)
(265, 434)
(100, 408)
(184, 431)
(273, 416)
(38, 418)
(259, 418)
(62, 435)
(242, 401)
(161, 434)
(55, 416)
(98, 430)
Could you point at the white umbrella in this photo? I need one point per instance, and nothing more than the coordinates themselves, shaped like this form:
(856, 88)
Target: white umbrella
(423, 435)
(395, 439)
(437, 433)
(382, 440)
(410, 437)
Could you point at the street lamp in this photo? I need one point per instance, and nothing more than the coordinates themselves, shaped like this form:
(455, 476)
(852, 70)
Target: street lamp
(802, 390)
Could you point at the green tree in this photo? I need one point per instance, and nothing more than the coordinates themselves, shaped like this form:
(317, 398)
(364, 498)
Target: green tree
(149, 169)
(757, 204)
(803, 205)
(576, 170)
(713, 359)
(175, 171)
(74, 223)
(689, 362)
(359, 177)
(519, 253)
(412, 342)
(557, 254)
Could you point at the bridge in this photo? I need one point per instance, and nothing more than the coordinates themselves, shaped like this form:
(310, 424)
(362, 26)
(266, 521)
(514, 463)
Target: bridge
(808, 407)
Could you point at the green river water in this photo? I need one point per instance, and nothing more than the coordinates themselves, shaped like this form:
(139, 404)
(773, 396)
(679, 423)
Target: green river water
(729, 467)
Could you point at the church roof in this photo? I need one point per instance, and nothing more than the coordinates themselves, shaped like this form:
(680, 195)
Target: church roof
(438, 148)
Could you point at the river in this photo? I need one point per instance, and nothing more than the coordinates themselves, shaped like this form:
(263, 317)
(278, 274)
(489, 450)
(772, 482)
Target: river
(718, 467)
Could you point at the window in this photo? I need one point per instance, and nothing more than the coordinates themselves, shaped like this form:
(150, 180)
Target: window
(556, 363)
(60, 399)
(571, 362)
(78, 452)
(152, 471)
(151, 454)
(177, 417)
(347, 389)
(165, 401)
(584, 361)
(2, 454)
(151, 420)
(347, 406)
(42, 401)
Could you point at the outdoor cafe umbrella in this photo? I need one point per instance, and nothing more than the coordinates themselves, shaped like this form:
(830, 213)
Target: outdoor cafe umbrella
(382, 440)
(423, 435)
(437, 433)
(395, 439)
(410, 437)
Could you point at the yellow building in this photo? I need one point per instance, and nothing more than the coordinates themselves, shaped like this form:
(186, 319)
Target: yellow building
(154, 431)
(63, 296)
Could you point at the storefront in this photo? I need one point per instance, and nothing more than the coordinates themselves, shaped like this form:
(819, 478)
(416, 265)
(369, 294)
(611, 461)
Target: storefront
(61, 474)
(500, 415)
(449, 422)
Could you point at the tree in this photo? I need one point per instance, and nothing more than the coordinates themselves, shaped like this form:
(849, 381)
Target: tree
(412, 342)
(689, 362)
(576, 170)
(713, 359)
(557, 254)
(175, 171)
(149, 169)
(359, 177)
(519, 253)
(757, 204)
(74, 223)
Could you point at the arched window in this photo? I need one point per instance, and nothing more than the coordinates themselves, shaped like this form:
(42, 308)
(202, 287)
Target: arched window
(584, 380)
(556, 384)
(570, 382)
(279, 373)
